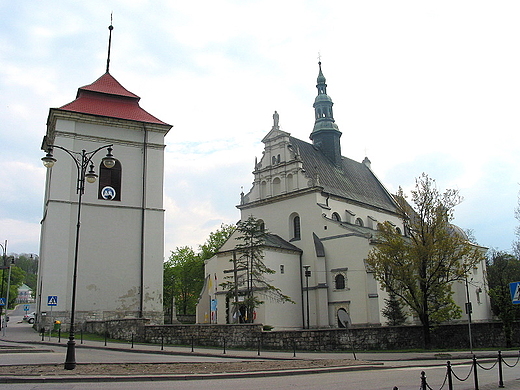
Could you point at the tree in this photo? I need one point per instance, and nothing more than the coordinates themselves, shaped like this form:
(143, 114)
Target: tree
(184, 271)
(215, 241)
(502, 269)
(249, 279)
(420, 266)
(393, 311)
(184, 274)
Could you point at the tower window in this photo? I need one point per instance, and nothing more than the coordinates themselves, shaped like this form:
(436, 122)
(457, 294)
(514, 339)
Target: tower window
(110, 182)
(336, 217)
(359, 222)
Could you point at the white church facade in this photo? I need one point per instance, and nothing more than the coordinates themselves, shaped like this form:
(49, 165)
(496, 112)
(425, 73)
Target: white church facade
(121, 243)
(321, 210)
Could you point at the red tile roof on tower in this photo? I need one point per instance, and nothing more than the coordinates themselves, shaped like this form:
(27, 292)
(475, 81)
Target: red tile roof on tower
(107, 97)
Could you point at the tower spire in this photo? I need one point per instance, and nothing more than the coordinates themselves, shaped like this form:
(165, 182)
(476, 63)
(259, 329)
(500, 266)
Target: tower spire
(325, 135)
(110, 28)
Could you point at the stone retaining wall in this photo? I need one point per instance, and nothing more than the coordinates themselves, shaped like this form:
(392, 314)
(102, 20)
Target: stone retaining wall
(485, 335)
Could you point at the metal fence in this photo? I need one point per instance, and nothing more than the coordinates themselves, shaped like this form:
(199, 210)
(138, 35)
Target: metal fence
(452, 376)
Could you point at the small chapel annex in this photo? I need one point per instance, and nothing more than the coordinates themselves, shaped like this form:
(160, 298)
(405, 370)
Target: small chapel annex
(321, 210)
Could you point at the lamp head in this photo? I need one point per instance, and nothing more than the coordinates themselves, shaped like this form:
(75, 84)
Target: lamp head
(48, 160)
(91, 175)
(109, 161)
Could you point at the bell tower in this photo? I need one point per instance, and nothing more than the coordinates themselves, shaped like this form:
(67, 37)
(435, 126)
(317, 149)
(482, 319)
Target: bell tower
(120, 250)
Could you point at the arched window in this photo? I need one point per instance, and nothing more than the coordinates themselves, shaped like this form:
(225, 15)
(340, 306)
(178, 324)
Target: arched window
(296, 228)
(398, 230)
(110, 182)
(261, 224)
(336, 217)
(339, 282)
(359, 222)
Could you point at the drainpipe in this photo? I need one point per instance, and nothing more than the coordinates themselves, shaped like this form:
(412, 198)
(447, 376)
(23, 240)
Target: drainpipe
(143, 209)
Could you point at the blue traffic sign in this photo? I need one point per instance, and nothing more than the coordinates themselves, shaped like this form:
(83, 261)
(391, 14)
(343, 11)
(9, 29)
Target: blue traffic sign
(514, 288)
(26, 307)
(52, 300)
(2, 301)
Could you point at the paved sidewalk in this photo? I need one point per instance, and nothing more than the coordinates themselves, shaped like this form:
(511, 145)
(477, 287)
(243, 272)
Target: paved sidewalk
(20, 338)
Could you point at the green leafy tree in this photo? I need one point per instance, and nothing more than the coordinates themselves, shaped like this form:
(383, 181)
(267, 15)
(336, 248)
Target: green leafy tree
(249, 279)
(17, 279)
(184, 272)
(502, 269)
(28, 263)
(421, 266)
(215, 241)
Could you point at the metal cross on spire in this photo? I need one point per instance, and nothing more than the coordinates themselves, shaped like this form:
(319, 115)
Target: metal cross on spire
(110, 28)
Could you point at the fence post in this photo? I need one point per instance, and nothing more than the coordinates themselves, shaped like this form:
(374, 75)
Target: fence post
(106, 335)
(475, 375)
(500, 377)
(423, 381)
(294, 347)
(81, 333)
(59, 335)
(259, 343)
(162, 342)
(192, 342)
(450, 379)
(132, 339)
(224, 342)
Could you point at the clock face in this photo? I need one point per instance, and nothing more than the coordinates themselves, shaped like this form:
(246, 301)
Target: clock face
(108, 193)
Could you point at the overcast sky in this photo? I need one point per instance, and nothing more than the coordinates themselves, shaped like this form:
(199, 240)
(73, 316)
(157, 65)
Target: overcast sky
(417, 86)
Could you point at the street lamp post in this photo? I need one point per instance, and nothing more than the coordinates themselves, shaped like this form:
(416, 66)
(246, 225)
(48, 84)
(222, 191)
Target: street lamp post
(83, 161)
(4, 266)
(307, 276)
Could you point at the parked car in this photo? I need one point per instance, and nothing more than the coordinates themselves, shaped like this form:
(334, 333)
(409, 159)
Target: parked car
(30, 317)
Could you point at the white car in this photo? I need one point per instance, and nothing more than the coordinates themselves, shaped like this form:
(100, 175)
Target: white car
(30, 317)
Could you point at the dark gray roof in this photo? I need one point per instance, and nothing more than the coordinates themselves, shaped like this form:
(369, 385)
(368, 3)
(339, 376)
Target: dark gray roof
(352, 180)
(275, 241)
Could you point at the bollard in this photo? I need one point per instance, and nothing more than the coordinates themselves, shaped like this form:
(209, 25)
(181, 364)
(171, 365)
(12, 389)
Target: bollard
(162, 343)
(500, 377)
(475, 375)
(81, 334)
(192, 342)
(424, 385)
(450, 379)
(59, 335)
(224, 342)
(294, 348)
(395, 388)
(43, 334)
(259, 346)
(132, 340)
(106, 334)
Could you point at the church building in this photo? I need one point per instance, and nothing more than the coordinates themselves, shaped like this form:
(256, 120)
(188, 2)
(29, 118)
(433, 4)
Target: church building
(321, 210)
(120, 249)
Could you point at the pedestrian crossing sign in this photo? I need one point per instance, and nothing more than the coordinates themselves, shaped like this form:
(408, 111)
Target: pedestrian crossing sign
(2, 301)
(514, 288)
(52, 300)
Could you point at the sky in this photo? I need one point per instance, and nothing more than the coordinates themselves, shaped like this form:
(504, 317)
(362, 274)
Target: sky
(417, 86)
